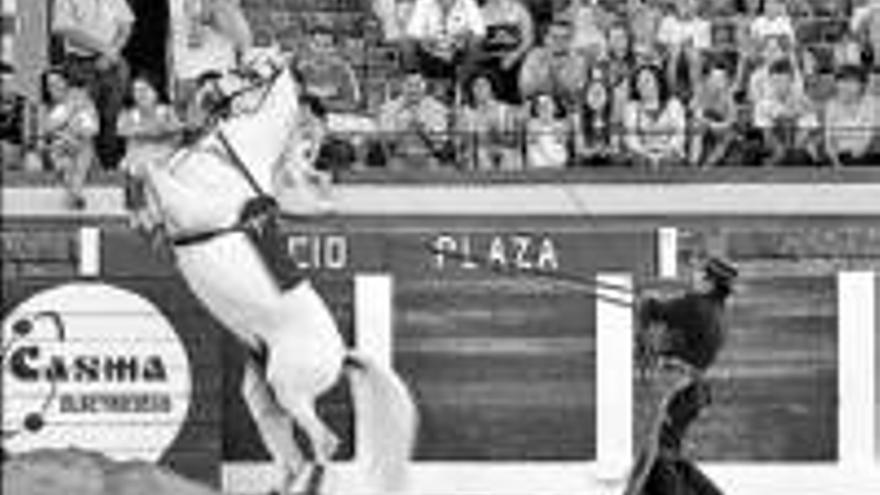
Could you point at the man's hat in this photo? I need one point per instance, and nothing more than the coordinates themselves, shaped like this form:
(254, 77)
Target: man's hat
(720, 270)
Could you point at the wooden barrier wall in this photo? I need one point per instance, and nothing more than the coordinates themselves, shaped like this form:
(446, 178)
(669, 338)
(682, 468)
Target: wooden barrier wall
(469, 340)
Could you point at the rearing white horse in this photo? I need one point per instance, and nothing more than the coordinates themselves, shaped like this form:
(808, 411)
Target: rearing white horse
(298, 351)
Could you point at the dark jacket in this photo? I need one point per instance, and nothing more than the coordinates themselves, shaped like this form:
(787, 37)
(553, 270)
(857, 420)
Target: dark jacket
(694, 325)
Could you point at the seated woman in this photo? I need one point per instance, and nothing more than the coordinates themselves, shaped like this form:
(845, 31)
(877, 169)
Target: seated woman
(70, 128)
(548, 135)
(715, 115)
(492, 129)
(654, 121)
(851, 120)
(152, 132)
(597, 139)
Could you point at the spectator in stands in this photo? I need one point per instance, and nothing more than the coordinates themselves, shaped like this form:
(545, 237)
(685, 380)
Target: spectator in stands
(394, 16)
(327, 74)
(69, 131)
(414, 127)
(94, 34)
(715, 115)
(685, 37)
(862, 12)
(787, 119)
(643, 17)
(152, 130)
(590, 22)
(206, 36)
(774, 20)
(548, 134)
(749, 49)
(866, 24)
(775, 49)
(492, 128)
(655, 121)
(619, 68)
(444, 32)
(510, 34)
(552, 67)
(852, 118)
(849, 51)
(597, 139)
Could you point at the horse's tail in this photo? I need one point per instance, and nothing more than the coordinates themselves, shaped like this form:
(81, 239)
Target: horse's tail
(387, 410)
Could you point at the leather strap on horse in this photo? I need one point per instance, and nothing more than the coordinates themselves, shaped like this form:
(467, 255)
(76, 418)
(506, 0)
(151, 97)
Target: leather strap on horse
(251, 213)
(239, 163)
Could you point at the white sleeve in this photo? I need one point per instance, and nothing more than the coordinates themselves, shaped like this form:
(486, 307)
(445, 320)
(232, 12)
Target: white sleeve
(416, 27)
(666, 33)
(122, 12)
(476, 23)
(702, 34)
(679, 120)
(62, 16)
(632, 137)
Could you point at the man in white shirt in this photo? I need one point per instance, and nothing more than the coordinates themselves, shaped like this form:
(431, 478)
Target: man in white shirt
(94, 33)
(414, 126)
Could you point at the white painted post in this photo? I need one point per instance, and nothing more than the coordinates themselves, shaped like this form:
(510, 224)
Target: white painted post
(614, 398)
(856, 302)
(373, 327)
(374, 301)
(89, 251)
(667, 252)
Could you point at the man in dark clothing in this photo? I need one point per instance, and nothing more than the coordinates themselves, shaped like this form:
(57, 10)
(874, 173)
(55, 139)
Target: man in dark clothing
(693, 331)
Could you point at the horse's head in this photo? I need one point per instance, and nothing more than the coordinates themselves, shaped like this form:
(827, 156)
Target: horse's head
(243, 89)
(253, 108)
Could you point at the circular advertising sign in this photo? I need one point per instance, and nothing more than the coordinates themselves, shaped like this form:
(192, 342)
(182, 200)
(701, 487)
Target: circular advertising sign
(95, 367)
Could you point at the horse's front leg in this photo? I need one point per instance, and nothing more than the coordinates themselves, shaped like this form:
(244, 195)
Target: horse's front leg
(274, 425)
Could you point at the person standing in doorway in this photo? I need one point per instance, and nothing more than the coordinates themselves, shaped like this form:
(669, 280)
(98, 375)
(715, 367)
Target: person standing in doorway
(94, 33)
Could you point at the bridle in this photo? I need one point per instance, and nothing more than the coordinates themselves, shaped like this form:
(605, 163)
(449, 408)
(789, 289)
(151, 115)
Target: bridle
(221, 109)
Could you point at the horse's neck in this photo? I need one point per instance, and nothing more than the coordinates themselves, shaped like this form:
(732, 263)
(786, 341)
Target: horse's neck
(261, 138)
(199, 191)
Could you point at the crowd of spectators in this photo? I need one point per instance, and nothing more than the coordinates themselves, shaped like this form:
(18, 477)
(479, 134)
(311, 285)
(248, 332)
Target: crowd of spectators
(641, 83)
(504, 85)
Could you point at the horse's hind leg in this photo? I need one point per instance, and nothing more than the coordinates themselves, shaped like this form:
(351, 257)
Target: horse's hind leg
(324, 441)
(297, 398)
(274, 425)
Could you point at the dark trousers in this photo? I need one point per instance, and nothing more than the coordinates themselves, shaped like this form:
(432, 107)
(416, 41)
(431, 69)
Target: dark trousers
(678, 477)
(107, 89)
